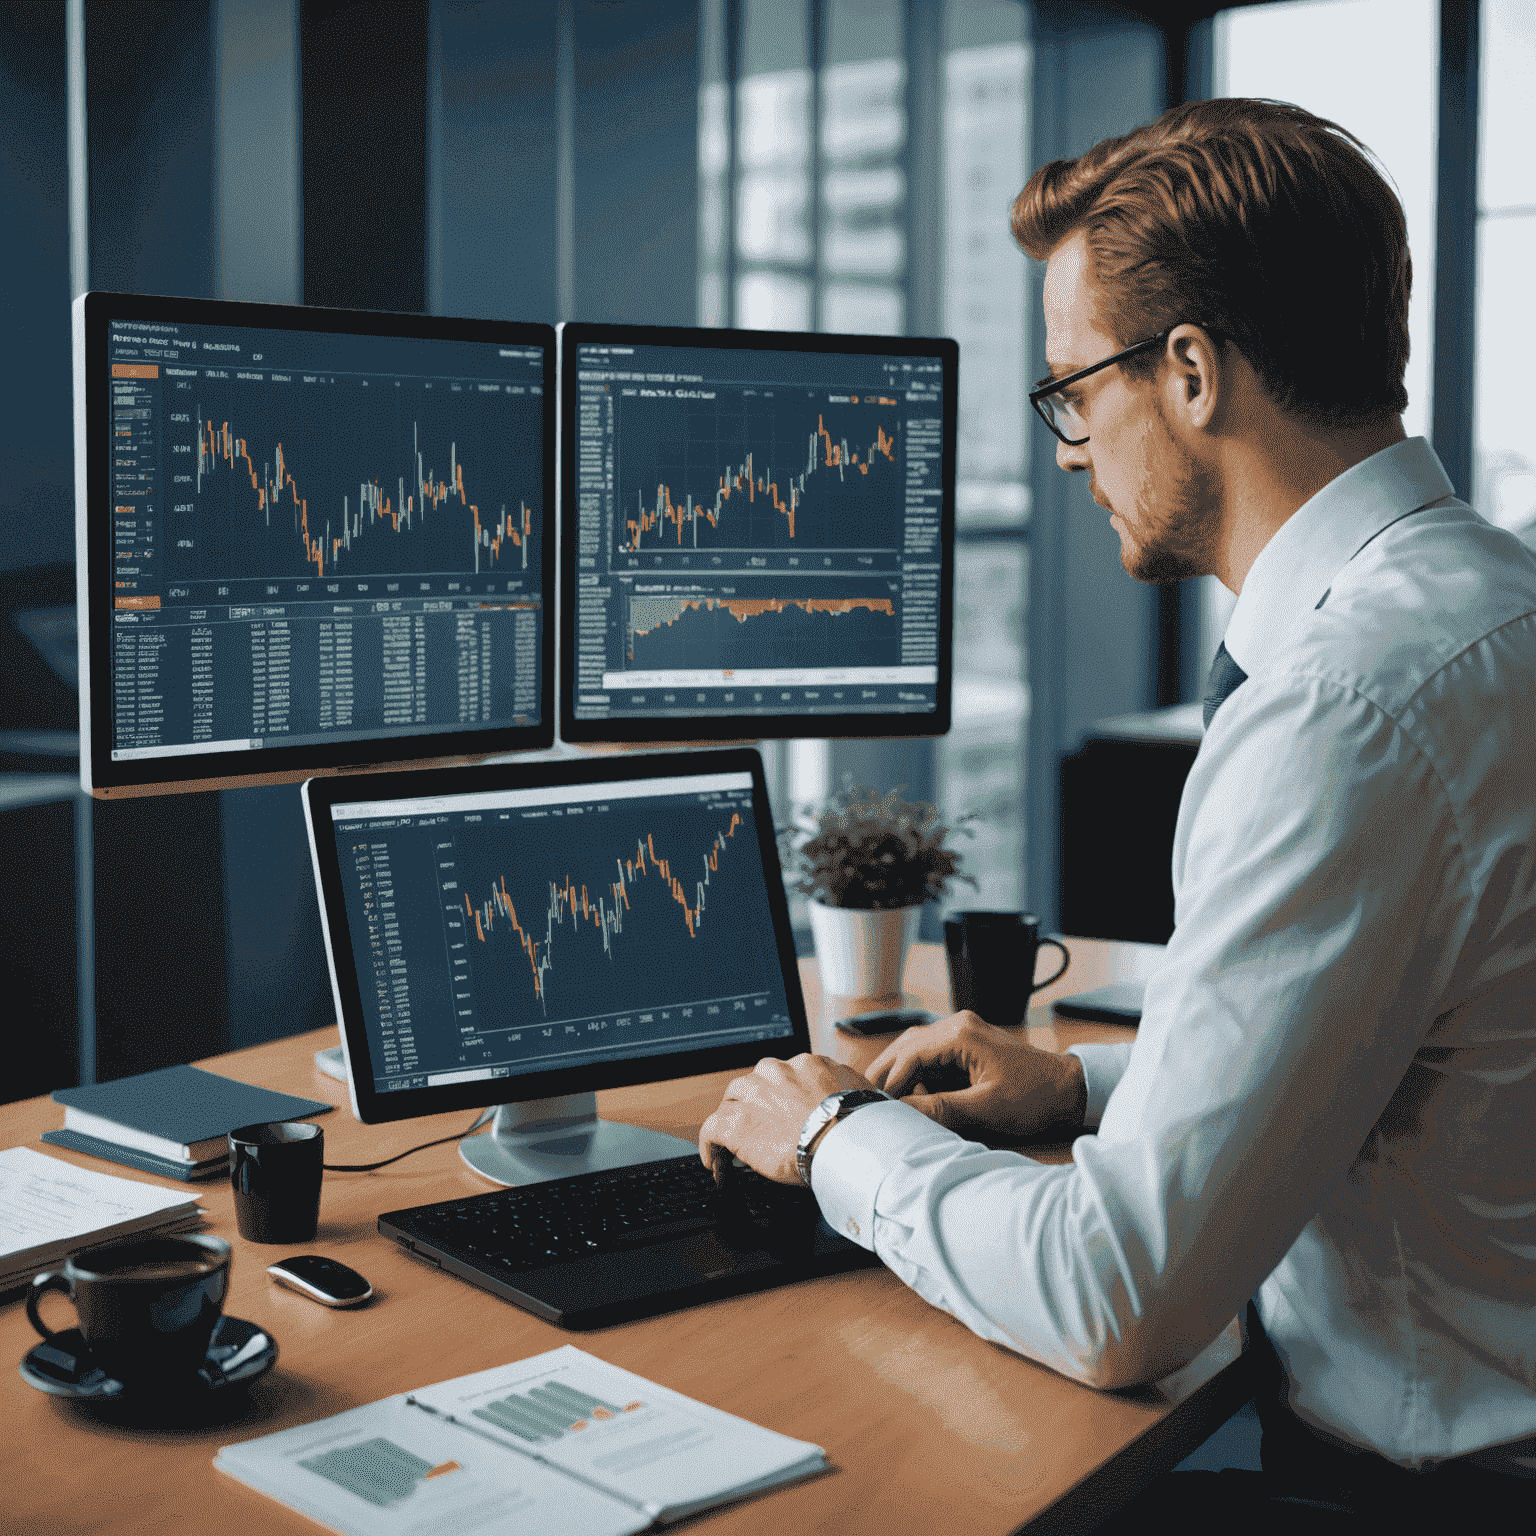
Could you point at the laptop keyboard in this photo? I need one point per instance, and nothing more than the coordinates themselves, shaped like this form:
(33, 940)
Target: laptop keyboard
(536, 1225)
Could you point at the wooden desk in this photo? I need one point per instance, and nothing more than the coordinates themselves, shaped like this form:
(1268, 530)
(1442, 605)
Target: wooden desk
(928, 1428)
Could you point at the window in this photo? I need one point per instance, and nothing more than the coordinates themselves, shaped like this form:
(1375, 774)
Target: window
(1309, 52)
(1504, 394)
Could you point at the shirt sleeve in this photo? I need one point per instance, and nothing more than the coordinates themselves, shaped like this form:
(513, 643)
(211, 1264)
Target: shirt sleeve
(1315, 872)
(1104, 1065)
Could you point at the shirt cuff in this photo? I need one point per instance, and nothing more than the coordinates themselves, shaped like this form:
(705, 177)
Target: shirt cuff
(1103, 1067)
(853, 1157)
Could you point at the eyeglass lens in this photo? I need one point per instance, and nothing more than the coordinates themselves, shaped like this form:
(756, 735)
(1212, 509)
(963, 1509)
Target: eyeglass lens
(1064, 417)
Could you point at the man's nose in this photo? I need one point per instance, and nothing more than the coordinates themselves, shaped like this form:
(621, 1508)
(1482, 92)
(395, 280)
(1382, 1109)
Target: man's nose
(1069, 457)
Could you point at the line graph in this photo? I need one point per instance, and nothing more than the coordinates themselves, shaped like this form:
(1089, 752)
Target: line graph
(270, 482)
(684, 633)
(219, 446)
(660, 900)
(754, 473)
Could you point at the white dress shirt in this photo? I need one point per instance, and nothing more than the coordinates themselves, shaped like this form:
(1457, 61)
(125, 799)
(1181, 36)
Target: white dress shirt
(1331, 1100)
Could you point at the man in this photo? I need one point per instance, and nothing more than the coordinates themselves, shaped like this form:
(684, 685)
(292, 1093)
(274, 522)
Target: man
(1329, 1103)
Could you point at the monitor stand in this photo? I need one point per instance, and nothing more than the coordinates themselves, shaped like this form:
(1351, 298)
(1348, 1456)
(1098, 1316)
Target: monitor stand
(553, 1138)
(332, 1062)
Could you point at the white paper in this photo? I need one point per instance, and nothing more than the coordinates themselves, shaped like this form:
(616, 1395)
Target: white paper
(388, 1469)
(48, 1206)
(656, 1447)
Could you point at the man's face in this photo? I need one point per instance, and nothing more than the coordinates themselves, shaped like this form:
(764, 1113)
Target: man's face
(1162, 502)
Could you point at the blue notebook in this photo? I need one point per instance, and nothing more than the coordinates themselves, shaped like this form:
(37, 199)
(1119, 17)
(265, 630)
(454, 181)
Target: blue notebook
(172, 1122)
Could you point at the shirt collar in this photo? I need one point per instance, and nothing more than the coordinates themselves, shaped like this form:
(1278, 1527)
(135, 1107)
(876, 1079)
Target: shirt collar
(1294, 571)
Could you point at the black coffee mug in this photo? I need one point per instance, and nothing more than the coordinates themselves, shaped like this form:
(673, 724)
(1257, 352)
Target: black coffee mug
(992, 959)
(275, 1170)
(147, 1306)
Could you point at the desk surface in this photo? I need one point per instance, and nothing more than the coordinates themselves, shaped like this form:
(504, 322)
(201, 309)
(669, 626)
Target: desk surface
(927, 1427)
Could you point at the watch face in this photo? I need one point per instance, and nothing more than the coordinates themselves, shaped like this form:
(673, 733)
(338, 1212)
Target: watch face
(852, 1098)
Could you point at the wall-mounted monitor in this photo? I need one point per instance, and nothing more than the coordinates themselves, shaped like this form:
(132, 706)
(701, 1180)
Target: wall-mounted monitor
(308, 539)
(758, 534)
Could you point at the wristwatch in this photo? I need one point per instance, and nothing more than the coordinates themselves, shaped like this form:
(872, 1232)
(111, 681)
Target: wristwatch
(835, 1107)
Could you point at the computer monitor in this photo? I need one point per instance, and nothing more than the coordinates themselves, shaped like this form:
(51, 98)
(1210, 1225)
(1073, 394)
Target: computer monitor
(760, 534)
(306, 539)
(524, 934)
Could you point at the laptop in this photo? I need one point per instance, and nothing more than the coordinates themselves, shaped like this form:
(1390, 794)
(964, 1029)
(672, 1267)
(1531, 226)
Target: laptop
(526, 934)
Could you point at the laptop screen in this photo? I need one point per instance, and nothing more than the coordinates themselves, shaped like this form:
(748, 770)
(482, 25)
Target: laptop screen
(502, 932)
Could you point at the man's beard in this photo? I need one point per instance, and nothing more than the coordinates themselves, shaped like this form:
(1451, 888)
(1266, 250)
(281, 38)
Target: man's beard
(1178, 513)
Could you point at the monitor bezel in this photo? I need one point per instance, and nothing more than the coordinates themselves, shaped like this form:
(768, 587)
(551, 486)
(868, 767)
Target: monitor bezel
(372, 1107)
(99, 774)
(683, 727)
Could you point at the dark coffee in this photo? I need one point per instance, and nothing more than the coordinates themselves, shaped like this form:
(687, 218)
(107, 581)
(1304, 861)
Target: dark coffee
(163, 1269)
(147, 1307)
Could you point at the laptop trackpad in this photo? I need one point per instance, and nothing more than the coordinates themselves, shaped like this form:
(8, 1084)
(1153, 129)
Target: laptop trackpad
(609, 1278)
(703, 1254)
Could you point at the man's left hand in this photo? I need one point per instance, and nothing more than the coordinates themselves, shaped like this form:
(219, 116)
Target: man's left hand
(761, 1115)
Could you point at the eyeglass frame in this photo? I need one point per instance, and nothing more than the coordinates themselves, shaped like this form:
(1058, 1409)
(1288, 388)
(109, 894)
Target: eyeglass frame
(1050, 386)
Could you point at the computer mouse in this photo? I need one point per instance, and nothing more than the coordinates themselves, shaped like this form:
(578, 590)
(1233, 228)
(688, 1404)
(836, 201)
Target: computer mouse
(324, 1280)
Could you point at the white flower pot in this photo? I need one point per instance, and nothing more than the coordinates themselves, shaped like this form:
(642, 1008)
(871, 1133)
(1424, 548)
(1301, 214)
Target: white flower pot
(861, 953)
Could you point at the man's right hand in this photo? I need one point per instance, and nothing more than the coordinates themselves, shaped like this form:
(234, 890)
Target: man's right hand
(1017, 1090)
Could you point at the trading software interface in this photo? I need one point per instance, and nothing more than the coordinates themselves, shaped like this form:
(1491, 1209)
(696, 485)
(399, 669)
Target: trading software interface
(758, 532)
(540, 929)
(321, 537)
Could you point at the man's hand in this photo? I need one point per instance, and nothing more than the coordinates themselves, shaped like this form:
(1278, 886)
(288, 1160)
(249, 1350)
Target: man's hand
(1017, 1090)
(760, 1117)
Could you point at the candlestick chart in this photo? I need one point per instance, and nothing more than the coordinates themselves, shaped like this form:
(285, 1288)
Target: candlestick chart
(634, 908)
(355, 485)
(741, 632)
(745, 473)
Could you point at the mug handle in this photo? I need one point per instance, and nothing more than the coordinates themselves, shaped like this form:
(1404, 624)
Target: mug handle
(1066, 960)
(54, 1280)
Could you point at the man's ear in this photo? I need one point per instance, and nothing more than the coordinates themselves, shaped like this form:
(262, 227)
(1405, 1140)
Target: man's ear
(1195, 376)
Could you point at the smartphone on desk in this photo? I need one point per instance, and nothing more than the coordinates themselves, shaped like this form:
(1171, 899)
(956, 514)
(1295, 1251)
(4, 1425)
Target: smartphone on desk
(883, 1021)
(1119, 1003)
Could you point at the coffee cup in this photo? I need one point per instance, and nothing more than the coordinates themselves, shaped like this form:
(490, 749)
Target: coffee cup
(275, 1169)
(992, 958)
(147, 1306)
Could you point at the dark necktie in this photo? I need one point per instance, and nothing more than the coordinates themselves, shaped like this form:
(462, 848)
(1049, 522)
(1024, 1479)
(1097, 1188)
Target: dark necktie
(1222, 683)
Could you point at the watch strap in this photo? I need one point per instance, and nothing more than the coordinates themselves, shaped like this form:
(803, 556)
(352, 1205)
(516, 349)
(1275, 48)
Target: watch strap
(836, 1106)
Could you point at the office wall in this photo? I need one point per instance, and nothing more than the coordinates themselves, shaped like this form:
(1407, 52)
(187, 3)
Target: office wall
(36, 475)
(609, 90)
(1092, 650)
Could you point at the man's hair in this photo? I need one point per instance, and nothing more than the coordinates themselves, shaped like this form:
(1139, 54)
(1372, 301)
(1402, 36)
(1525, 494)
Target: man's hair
(1268, 225)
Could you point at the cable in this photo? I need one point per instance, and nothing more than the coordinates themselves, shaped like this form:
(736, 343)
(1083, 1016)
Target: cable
(480, 1120)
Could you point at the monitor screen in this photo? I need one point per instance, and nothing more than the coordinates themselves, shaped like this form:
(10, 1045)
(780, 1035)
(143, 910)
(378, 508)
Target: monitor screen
(760, 529)
(529, 930)
(308, 538)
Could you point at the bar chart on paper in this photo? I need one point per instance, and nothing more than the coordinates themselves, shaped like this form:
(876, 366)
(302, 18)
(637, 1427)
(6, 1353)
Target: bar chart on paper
(550, 1411)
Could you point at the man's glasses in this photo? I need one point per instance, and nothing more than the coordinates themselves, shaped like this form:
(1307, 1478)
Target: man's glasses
(1061, 415)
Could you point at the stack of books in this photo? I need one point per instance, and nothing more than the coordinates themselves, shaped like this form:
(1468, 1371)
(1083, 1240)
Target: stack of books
(174, 1122)
(49, 1208)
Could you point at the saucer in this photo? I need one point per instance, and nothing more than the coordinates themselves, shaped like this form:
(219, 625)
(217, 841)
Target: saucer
(238, 1352)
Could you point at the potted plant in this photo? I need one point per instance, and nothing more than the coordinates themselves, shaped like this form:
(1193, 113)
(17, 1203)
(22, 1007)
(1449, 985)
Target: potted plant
(869, 862)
